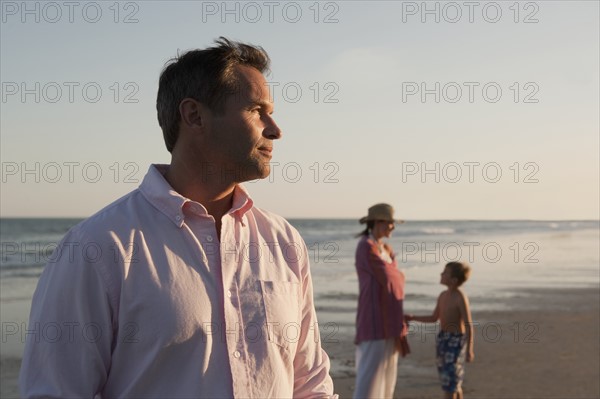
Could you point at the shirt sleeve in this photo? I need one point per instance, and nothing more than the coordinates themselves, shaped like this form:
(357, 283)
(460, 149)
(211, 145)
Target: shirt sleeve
(311, 364)
(69, 336)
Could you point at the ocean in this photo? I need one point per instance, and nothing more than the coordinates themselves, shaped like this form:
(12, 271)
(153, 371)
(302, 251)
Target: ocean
(507, 258)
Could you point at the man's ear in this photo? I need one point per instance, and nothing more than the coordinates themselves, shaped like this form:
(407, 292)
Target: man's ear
(191, 112)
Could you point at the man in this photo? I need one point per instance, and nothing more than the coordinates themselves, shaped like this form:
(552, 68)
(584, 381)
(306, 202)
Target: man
(183, 288)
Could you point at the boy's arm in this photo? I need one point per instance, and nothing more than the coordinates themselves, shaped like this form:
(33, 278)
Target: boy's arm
(435, 316)
(465, 314)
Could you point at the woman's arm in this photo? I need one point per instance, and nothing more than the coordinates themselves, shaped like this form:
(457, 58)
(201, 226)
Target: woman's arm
(377, 266)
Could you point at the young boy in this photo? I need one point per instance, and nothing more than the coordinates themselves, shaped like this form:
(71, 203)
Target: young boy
(455, 340)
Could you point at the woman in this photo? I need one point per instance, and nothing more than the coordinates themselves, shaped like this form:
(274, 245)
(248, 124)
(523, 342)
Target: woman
(380, 328)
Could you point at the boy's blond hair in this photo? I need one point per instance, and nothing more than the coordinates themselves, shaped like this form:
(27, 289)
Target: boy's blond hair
(459, 270)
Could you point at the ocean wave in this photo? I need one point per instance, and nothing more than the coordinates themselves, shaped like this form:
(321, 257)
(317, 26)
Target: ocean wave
(21, 273)
(437, 230)
(409, 297)
(21, 266)
(24, 256)
(339, 296)
(335, 309)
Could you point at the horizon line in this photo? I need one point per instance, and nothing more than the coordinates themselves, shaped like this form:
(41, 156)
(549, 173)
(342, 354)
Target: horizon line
(350, 218)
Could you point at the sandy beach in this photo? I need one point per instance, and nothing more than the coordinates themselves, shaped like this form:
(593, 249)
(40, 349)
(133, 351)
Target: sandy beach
(548, 350)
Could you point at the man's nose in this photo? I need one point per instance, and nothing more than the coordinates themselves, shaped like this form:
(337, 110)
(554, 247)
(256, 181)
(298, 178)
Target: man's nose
(272, 130)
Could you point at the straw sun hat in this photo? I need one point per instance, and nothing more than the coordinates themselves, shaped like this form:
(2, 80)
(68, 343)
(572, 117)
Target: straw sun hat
(380, 212)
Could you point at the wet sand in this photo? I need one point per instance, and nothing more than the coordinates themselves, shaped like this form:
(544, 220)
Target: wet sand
(549, 349)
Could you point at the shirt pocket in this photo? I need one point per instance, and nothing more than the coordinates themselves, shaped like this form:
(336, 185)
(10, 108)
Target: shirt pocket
(281, 300)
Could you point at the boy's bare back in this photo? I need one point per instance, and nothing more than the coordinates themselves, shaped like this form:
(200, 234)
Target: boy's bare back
(452, 307)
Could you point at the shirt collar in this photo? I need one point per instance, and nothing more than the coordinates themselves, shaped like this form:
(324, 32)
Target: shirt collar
(241, 201)
(163, 197)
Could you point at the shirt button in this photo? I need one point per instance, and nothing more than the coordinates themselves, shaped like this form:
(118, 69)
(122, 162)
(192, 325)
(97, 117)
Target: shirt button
(236, 354)
(228, 294)
(209, 238)
(178, 218)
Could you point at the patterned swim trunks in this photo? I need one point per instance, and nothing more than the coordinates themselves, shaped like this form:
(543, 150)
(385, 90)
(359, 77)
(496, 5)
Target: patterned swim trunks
(451, 352)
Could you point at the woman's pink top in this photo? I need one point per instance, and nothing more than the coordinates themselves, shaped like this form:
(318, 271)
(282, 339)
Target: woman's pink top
(380, 314)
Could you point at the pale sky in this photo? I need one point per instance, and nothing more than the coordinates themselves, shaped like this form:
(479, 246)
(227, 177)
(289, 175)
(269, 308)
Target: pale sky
(514, 133)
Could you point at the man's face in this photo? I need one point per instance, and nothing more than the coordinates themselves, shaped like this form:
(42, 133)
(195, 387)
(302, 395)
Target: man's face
(241, 137)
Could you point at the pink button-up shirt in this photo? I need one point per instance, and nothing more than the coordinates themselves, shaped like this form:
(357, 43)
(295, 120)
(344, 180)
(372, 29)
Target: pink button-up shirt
(142, 300)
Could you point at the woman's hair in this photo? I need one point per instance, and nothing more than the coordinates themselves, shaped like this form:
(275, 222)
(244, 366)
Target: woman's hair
(367, 230)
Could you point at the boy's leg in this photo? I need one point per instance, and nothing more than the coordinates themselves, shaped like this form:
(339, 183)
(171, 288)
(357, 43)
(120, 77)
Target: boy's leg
(453, 395)
(450, 359)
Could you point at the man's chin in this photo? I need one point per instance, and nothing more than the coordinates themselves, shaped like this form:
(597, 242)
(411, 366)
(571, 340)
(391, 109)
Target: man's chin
(258, 173)
(263, 169)
(264, 172)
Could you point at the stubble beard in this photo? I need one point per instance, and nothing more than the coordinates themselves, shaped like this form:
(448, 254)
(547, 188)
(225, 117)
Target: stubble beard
(263, 169)
(256, 168)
